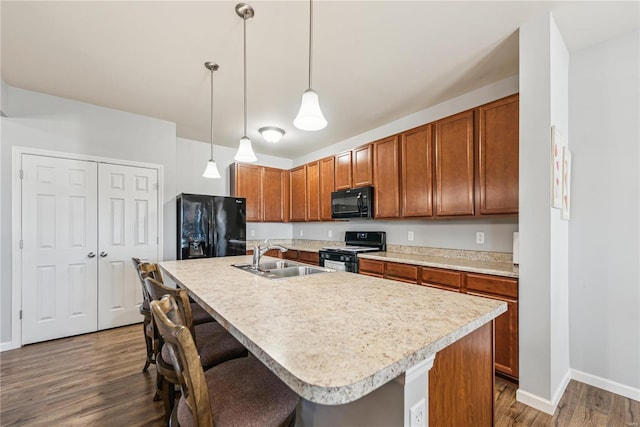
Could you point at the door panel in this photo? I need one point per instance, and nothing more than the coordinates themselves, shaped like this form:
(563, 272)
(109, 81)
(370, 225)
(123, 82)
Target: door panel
(59, 223)
(128, 228)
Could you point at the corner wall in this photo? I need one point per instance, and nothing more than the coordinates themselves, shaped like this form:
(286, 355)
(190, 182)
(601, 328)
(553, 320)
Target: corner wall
(543, 281)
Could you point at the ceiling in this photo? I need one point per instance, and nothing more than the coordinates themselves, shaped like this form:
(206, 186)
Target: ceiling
(373, 61)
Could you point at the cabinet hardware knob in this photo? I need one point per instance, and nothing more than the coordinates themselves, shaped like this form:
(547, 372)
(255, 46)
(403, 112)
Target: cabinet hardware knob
(91, 254)
(103, 254)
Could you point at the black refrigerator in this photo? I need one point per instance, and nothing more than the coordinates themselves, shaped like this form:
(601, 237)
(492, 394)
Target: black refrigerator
(210, 226)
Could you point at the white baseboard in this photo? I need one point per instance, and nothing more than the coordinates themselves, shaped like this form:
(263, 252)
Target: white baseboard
(8, 345)
(535, 402)
(605, 384)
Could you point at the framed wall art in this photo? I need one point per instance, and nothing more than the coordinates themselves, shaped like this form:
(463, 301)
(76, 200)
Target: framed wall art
(556, 167)
(566, 183)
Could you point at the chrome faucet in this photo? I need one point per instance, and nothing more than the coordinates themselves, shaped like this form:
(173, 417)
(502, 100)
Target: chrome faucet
(259, 250)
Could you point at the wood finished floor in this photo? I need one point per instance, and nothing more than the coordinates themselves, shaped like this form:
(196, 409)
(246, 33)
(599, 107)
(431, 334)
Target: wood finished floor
(96, 380)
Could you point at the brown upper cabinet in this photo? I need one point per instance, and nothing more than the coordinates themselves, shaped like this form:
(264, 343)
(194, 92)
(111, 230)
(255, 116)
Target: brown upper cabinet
(313, 191)
(386, 177)
(327, 186)
(417, 172)
(265, 191)
(354, 168)
(246, 181)
(274, 194)
(298, 194)
(498, 127)
(454, 165)
(343, 171)
(362, 165)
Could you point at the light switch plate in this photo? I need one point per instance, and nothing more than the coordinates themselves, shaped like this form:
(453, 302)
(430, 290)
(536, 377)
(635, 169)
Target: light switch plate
(410, 236)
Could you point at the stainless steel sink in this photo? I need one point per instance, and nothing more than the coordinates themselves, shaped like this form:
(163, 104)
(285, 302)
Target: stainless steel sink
(282, 269)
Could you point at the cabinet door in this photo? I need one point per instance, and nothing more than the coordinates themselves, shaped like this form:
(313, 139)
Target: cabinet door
(454, 165)
(327, 179)
(506, 325)
(247, 182)
(343, 171)
(417, 172)
(309, 257)
(386, 155)
(498, 156)
(371, 267)
(298, 194)
(313, 191)
(273, 194)
(290, 255)
(362, 166)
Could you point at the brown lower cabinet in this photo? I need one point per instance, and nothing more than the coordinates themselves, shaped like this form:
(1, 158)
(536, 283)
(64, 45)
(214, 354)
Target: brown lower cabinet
(484, 285)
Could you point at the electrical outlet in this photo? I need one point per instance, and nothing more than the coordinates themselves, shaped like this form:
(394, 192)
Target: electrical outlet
(329, 233)
(418, 414)
(301, 233)
(252, 232)
(410, 236)
(480, 238)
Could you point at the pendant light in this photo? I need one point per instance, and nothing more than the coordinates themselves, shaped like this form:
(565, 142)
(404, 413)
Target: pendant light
(310, 116)
(245, 151)
(212, 169)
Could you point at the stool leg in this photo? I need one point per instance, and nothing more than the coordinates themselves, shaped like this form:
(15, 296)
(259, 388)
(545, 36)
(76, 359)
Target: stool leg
(149, 344)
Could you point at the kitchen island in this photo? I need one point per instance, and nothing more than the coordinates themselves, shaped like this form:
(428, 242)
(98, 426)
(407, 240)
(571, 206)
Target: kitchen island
(361, 343)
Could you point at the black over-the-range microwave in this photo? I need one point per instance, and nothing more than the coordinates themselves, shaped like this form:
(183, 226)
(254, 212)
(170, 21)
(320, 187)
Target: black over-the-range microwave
(352, 203)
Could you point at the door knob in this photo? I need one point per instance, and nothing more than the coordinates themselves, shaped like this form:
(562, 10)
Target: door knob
(103, 254)
(91, 254)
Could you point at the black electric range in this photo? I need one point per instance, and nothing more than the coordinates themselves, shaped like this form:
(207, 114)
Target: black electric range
(345, 258)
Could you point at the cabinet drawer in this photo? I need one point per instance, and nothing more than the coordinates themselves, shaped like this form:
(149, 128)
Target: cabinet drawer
(439, 278)
(371, 266)
(403, 272)
(309, 257)
(494, 285)
(290, 254)
(273, 252)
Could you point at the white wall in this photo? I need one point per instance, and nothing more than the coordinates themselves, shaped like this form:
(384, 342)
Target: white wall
(604, 238)
(46, 122)
(449, 234)
(543, 291)
(192, 157)
(455, 233)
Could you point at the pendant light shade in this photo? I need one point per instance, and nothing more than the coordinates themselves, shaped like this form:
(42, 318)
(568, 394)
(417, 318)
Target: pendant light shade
(310, 116)
(245, 152)
(212, 169)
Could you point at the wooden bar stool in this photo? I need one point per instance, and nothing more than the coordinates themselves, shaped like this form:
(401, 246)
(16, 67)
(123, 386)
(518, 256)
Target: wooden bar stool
(213, 343)
(240, 392)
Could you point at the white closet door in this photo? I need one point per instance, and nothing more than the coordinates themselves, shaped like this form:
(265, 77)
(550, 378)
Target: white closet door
(59, 233)
(128, 227)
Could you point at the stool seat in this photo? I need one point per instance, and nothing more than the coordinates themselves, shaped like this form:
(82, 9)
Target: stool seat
(215, 345)
(243, 392)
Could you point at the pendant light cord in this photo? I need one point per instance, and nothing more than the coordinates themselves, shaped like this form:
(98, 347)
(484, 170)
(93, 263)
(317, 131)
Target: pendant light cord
(310, 37)
(211, 114)
(244, 20)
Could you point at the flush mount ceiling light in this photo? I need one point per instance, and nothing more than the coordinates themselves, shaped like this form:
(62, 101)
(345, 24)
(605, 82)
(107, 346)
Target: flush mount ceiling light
(245, 151)
(310, 116)
(212, 169)
(271, 133)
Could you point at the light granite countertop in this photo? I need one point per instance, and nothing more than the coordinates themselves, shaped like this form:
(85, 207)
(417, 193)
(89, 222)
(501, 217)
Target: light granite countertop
(505, 269)
(331, 337)
(494, 263)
